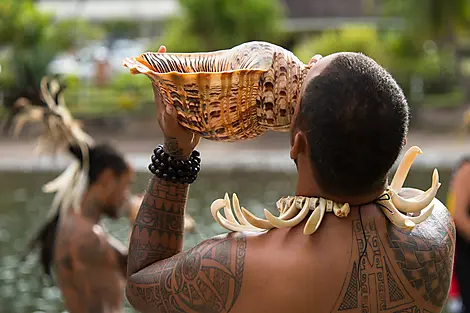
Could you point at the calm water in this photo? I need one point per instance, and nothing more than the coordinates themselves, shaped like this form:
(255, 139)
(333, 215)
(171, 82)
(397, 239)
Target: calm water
(23, 206)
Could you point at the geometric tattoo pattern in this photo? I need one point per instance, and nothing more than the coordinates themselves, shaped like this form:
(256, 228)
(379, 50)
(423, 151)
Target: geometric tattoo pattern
(397, 270)
(425, 263)
(207, 276)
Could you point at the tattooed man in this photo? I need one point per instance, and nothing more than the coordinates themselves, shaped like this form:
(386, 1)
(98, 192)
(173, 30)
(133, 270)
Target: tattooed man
(90, 264)
(348, 130)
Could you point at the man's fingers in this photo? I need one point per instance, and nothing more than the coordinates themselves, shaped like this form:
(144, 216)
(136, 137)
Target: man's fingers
(165, 111)
(170, 110)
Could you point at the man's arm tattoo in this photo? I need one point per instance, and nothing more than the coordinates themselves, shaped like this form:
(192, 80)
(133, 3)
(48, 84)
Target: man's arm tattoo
(159, 225)
(207, 278)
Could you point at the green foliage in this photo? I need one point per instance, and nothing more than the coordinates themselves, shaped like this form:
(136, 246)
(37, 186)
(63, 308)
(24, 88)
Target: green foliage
(387, 49)
(126, 93)
(444, 100)
(21, 23)
(444, 22)
(397, 52)
(431, 19)
(438, 70)
(350, 38)
(122, 28)
(136, 91)
(221, 24)
(34, 38)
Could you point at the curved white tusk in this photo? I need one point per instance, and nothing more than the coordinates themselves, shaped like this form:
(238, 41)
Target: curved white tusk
(238, 212)
(398, 219)
(409, 224)
(417, 203)
(290, 213)
(404, 167)
(404, 221)
(423, 216)
(219, 204)
(256, 221)
(235, 226)
(315, 219)
(277, 222)
(228, 210)
(216, 206)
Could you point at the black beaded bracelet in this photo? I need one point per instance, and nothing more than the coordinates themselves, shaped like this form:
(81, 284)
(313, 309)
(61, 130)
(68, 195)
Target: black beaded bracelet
(168, 168)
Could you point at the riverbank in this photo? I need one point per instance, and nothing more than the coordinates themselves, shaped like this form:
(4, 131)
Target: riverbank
(268, 152)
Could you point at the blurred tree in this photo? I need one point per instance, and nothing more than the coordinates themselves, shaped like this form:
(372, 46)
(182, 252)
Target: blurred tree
(442, 21)
(221, 24)
(117, 28)
(354, 38)
(34, 38)
(395, 51)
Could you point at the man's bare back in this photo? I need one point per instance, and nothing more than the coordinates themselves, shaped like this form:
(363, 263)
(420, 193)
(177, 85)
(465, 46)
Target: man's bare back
(398, 272)
(243, 272)
(89, 273)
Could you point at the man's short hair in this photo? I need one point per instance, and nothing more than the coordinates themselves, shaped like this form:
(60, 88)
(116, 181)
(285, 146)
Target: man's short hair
(101, 157)
(355, 118)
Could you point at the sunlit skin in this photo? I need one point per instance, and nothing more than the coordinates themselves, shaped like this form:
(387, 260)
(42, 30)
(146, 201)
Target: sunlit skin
(283, 270)
(90, 264)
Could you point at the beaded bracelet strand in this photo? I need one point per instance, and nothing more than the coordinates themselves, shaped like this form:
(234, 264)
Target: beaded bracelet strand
(168, 168)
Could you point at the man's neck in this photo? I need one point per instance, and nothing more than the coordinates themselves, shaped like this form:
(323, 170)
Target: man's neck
(90, 208)
(313, 190)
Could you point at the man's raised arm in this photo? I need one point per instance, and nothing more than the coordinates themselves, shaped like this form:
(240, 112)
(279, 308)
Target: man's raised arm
(162, 278)
(159, 227)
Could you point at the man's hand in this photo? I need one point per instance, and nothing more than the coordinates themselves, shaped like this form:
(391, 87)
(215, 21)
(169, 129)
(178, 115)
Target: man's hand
(179, 142)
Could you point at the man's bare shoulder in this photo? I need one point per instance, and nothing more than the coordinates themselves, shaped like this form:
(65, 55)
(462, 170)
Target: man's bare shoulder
(85, 242)
(207, 277)
(425, 255)
(76, 231)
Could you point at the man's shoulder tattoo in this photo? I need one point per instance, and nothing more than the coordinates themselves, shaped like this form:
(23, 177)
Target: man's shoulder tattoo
(207, 276)
(389, 273)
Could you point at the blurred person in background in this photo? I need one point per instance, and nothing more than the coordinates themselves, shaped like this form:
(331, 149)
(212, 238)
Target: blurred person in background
(348, 130)
(459, 205)
(90, 264)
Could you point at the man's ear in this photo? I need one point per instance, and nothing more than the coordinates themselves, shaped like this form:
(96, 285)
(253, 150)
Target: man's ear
(299, 145)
